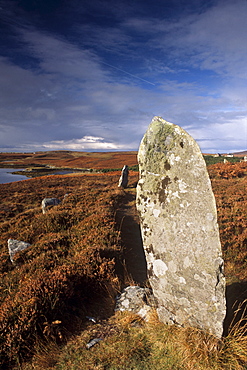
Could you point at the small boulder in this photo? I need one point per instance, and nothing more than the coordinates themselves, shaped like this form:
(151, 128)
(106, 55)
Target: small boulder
(16, 246)
(46, 202)
(135, 299)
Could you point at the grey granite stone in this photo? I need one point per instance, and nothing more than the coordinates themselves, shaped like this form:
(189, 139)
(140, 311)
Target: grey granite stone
(179, 229)
(123, 181)
(15, 246)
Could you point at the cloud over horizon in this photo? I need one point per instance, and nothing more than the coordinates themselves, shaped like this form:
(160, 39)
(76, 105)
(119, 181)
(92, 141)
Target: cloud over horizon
(92, 76)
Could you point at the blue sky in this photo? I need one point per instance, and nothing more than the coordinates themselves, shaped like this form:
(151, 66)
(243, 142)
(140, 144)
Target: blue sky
(90, 75)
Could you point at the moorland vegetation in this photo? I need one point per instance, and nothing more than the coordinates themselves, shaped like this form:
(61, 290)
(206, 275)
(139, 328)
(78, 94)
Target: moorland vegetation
(74, 269)
(45, 163)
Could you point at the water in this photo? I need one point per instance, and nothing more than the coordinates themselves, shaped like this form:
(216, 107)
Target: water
(6, 175)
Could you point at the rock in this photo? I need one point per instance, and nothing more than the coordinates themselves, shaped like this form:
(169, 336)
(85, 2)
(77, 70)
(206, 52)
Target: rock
(179, 229)
(93, 342)
(135, 299)
(123, 181)
(90, 318)
(49, 202)
(16, 246)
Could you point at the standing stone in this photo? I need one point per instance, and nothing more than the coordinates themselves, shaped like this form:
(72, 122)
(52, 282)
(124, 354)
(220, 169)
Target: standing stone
(179, 229)
(123, 181)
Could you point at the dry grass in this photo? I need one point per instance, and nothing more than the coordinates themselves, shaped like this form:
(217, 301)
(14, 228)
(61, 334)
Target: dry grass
(127, 342)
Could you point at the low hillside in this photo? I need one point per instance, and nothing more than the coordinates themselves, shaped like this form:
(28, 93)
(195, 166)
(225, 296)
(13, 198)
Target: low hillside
(69, 159)
(38, 162)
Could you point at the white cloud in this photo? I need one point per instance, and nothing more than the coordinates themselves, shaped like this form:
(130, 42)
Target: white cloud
(230, 136)
(57, 56)
(73, 99)
(85, 143)
(213, 40)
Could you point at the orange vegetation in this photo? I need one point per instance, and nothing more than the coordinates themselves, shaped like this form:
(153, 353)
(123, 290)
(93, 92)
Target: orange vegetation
(229, 182)
(74, 263)
(228, 170)
(71, 263)
(72, 159)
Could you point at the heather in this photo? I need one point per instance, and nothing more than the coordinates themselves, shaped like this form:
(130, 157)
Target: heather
(71, 263)
(229, 182)
(75, 268)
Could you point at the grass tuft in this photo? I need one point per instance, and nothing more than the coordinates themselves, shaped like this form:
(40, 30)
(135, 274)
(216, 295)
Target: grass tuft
(128, 342)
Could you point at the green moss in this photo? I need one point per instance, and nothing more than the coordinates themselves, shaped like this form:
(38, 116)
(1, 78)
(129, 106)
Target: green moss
(160, 139)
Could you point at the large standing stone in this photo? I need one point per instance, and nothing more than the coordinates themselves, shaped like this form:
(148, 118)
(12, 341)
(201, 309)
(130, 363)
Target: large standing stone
(179, 229)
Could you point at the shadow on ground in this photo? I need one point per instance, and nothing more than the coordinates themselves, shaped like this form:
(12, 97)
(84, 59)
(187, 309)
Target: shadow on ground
(236, 303)
(135, 267)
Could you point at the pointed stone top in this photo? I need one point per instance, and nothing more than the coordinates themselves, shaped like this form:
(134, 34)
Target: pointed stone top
(179, 228)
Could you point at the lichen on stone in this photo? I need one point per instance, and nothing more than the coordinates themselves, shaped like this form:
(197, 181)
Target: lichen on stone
(179, 228)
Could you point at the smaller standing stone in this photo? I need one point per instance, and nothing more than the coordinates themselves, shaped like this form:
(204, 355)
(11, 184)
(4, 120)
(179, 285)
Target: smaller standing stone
(123, 181)
(16, 246)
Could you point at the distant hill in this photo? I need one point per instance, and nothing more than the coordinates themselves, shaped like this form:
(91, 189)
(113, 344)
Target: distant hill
(240, 154)
(235, 154)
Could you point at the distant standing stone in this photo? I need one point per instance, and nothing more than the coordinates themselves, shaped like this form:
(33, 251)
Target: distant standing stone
(179, 229)
(123, 181)
(15, 246)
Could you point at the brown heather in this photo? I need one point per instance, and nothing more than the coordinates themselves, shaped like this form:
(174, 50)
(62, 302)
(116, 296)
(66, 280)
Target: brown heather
(229, 182)
(71, 263)
(71, 159)
(74, 269)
